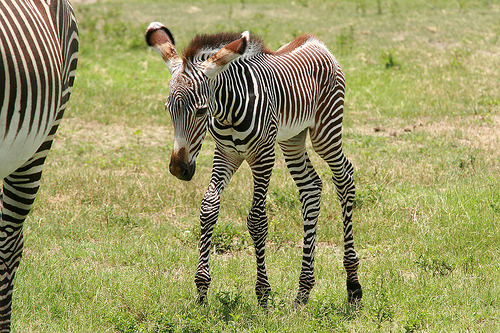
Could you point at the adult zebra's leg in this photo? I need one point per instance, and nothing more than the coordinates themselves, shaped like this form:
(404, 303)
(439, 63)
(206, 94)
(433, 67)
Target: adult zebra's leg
(257, 224)
(309, 184)
(224, 166)
(19, 192)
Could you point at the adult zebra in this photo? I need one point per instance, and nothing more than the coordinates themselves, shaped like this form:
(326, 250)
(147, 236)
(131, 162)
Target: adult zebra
(38, 57)
(249, 97)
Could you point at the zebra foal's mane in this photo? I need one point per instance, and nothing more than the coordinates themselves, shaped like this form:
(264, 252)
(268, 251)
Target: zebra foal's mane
(210, 43)
(207, 43)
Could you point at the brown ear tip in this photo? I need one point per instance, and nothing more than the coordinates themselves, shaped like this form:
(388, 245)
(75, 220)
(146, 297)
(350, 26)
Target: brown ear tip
(245, 36)
(157, 34)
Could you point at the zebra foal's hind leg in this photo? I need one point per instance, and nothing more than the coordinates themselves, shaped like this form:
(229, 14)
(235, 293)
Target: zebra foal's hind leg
(257, 219)
(309, 185)
(343, 178)
(19, 192)
(346, 192)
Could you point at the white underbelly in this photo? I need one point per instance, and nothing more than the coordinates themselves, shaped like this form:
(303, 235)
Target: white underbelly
(288, 131)
(16, 150)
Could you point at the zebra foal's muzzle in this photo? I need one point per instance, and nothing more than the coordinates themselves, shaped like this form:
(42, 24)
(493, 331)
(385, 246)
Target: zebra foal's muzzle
(180, 166)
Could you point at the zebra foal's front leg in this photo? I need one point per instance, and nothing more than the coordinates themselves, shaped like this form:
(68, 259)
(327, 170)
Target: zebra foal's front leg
(257, 221)
(208, 217)
(223, 169)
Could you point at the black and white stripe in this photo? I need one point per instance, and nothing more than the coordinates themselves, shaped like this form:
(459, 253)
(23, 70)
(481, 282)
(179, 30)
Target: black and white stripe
(38, 58)
(255, 97)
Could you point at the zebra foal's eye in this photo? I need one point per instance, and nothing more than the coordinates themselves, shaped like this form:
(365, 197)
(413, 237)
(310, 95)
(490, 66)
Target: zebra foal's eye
(201, 111)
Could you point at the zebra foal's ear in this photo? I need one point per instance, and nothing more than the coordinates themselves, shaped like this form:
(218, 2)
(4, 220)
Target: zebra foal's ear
(219, 61)
(162, 41)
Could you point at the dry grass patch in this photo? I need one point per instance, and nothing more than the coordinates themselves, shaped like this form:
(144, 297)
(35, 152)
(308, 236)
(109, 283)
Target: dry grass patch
(481, 131)
(114, 135)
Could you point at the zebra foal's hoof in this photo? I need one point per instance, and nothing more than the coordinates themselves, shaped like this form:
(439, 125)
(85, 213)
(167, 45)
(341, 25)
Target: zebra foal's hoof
(301, 300)
(262, 292)
(354, 293)
(201, 299)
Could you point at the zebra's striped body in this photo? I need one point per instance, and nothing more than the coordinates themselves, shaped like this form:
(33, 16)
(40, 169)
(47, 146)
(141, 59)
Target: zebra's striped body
(38, 57)
(249, 98)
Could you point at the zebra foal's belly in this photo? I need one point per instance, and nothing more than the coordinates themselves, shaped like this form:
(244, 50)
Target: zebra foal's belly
(288, 131)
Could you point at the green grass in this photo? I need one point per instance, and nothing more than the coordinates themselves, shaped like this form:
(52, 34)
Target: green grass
(111, 244)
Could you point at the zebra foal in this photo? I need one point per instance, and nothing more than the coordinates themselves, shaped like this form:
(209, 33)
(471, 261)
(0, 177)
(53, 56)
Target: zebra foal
(248, 98)
(38, 57)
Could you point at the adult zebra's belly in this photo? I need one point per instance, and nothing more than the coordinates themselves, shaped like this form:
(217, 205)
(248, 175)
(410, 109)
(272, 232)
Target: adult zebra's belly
(16, 150)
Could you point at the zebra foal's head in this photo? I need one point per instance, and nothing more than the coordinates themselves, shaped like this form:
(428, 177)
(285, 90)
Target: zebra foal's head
(188, 99)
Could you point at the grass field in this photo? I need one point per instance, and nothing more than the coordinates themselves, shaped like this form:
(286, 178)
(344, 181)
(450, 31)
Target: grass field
(111, 244)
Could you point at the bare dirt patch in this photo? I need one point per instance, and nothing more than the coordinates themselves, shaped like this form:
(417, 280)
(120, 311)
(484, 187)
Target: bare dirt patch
(476, 131)
(480, 132)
